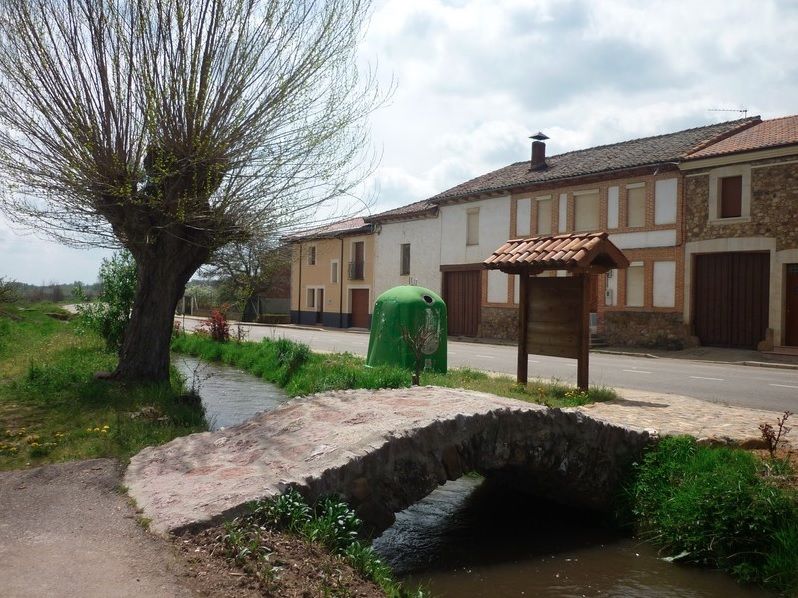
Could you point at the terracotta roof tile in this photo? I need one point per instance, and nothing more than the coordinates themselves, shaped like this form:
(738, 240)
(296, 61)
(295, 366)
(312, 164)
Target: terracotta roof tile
(605, 158)
(769, 133)
(560, 252)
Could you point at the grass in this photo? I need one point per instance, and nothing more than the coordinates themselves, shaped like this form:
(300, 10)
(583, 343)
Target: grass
(720, 507)
(301, 372)
(332, 524)
(53, 410)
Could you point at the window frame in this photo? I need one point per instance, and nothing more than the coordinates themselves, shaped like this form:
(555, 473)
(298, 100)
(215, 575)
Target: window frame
(311, 260)
(714, 208)
(581, 195)
(642, 270)
(472, 239)
(634, 187)
(404, 259)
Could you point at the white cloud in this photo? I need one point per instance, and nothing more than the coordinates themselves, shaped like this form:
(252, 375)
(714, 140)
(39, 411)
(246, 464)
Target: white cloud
(477, 77)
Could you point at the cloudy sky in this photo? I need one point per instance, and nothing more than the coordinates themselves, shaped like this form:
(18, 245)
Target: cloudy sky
(475, 78)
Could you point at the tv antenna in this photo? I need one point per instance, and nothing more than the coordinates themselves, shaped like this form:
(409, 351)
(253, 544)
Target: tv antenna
(743, 111)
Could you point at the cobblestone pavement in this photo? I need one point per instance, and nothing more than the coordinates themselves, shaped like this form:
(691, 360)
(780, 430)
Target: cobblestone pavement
(674, 414)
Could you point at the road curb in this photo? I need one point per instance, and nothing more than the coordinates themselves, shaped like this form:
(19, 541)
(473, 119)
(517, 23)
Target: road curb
(625, 353)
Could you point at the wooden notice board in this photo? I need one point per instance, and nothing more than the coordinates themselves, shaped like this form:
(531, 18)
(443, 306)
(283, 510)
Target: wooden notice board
(554, 325)
(555, 321)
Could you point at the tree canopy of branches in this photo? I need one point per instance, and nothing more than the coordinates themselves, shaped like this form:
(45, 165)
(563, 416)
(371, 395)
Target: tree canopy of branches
(248, 269)
(172, 127)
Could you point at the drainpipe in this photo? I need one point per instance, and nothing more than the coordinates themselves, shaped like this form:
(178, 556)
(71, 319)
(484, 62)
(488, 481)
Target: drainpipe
(299, 290)
(341, 284)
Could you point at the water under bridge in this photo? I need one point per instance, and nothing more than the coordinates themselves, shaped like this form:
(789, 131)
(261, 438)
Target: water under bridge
(381, 451)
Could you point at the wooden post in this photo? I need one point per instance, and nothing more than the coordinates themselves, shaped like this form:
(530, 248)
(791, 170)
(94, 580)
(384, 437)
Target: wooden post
(523, 316)
(582, 369)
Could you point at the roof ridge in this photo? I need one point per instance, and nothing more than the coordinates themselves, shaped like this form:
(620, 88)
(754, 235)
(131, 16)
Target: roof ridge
(756, 119)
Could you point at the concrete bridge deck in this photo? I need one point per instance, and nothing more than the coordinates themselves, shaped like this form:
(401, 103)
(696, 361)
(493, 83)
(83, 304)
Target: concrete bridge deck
(382, 451)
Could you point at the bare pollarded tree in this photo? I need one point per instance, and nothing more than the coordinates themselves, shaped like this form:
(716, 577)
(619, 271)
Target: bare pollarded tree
(173, 127)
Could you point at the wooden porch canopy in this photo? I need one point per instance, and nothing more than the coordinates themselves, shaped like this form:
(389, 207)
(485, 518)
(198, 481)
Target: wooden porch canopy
(577, 253)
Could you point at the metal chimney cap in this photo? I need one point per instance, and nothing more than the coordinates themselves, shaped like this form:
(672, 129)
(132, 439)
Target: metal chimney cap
(538, 136)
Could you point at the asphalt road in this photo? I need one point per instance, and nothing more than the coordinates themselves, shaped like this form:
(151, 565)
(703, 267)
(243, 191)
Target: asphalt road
(733, 384)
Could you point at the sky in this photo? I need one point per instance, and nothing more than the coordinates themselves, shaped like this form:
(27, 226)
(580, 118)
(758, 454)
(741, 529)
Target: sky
(475, 78)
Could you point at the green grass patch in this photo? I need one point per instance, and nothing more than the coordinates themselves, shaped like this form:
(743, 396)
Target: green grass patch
(52, 409)
(331, 523)
(301, 372)
(719, 507)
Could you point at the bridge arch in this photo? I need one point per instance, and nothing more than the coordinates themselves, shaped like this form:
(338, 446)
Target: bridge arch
(382, 451)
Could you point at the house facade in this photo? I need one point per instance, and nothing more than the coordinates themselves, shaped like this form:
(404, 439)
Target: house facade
(684, 208)
(332, 273)
(741, 238)
(634, 190)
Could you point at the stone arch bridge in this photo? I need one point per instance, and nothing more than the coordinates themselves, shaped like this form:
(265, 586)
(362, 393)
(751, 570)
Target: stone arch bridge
(382, 451)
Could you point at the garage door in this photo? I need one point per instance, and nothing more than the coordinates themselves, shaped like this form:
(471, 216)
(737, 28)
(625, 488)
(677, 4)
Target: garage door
(730, 304)
(462, 294)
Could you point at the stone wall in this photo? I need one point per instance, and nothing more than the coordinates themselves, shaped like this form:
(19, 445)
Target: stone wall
(499, 322)
(774, 207)
(660, 330)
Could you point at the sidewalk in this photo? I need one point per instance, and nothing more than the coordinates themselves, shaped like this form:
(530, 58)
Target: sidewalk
(711, 354)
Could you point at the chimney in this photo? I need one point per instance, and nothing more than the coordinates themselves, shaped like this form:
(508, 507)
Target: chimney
(538, 151)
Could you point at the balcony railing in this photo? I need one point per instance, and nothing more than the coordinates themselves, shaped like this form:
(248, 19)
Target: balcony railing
(356, 270)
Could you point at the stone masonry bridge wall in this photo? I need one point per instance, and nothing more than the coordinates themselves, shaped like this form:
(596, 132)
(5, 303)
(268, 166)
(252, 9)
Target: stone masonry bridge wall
(381, 451)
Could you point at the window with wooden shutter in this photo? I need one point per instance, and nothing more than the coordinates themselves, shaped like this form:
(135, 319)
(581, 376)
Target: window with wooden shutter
(635, 206)
(586, 208)
(312, 255)
(730, 197)
(635, 278)
(544, 216)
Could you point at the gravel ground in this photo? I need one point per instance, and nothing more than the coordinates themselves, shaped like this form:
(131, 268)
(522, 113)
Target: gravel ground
(66, 530)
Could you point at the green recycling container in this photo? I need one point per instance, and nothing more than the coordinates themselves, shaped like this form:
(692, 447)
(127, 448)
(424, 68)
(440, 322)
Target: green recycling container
(406, 316)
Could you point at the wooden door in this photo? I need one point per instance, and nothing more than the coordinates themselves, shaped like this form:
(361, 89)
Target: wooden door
(360, 308)
(462, 292)
(730, 298)
(791, 302)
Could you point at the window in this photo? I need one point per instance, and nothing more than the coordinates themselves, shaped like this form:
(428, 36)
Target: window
(357, 267)
(635, 284)
(312, 255)
(730, 197)
(311, 298)
(472, 227)
(404, 260)
(586, 210)
(730, 194)
(664, 284)
(544, 216)
(523, 217)
(334, 271)
(635, 206)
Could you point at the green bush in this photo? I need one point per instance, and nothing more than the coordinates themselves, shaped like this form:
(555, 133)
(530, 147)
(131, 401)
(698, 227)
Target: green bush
(109, 314)
(713, 506)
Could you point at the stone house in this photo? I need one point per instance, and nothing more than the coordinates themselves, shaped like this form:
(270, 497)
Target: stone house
(741, 238)
(332, 273)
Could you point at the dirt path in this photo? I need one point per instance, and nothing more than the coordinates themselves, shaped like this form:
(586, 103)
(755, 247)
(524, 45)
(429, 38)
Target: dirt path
(66, 531)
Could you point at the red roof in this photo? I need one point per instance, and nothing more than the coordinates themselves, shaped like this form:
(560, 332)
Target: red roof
(559, 252)
(769, 133)
(343, 227)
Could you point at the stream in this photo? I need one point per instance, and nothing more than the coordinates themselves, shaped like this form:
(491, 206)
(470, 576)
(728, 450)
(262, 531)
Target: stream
(473, 538)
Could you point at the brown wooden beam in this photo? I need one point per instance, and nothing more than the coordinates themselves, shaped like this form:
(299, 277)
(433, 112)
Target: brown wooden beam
(583, 368)
(523, 315)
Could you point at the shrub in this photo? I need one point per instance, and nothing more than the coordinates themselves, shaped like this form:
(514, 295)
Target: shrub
(216, 326)
(712, 507)
(109, 314)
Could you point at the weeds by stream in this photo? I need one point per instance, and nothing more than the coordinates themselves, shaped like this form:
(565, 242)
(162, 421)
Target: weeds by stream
(719, 507)
(301, 372)
(331, 524)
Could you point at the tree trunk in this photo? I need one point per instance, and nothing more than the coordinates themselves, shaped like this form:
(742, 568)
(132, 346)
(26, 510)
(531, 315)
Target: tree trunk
(163, 271)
